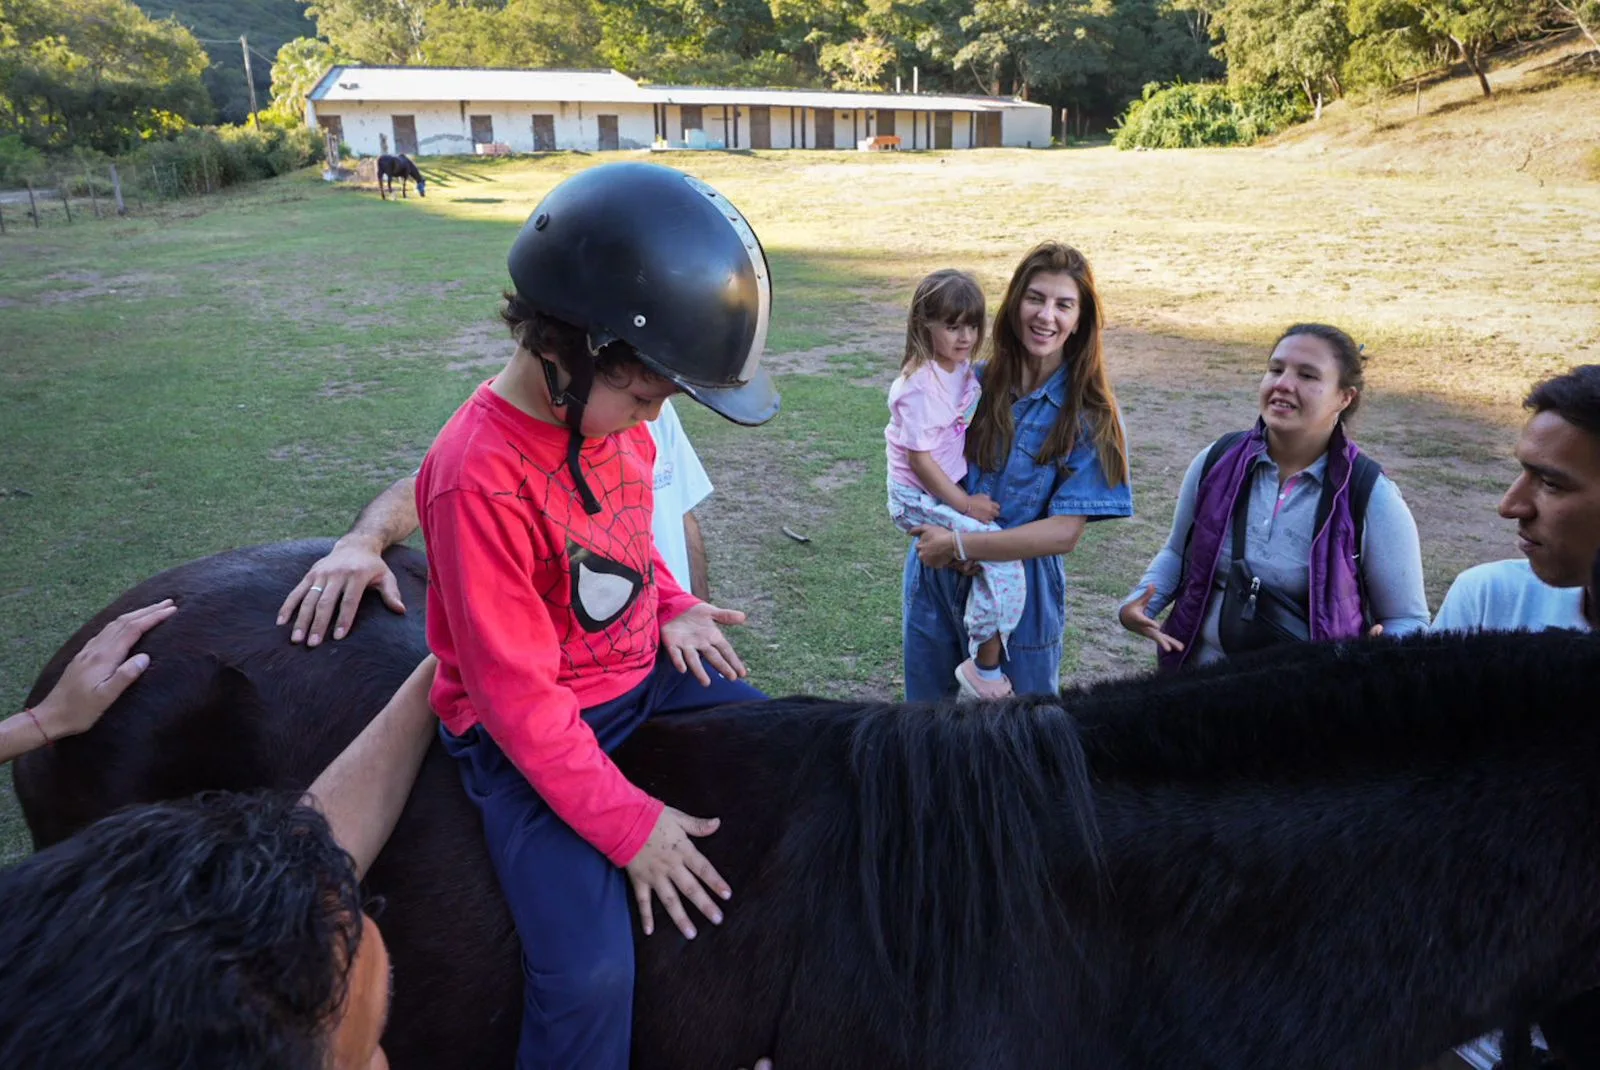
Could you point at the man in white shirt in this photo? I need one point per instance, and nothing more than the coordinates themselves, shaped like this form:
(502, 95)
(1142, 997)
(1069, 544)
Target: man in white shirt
(336, 582)
(1556, 504)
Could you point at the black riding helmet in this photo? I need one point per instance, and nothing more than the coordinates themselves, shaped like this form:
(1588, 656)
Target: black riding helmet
(649, 256)
(643, 254)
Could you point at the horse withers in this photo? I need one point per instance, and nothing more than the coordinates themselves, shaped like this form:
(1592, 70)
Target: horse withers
(401, 167)
(1329, 857)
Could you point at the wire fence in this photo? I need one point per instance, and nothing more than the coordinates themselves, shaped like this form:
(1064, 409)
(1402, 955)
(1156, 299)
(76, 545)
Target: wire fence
(66, 197)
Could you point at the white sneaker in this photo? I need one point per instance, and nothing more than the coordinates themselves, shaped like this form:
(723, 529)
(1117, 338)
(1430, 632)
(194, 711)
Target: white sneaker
(975, 688)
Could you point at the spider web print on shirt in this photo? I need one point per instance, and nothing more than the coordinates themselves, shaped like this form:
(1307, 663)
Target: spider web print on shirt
(593, 580)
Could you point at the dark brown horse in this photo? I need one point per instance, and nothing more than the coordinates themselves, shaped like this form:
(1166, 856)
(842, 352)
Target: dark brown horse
(1329, 857)
(401, 167)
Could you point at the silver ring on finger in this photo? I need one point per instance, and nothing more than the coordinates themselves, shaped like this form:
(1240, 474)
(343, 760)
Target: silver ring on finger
(316, 588)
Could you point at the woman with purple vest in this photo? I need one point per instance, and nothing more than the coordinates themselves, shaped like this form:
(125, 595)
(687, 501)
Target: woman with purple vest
(1329, 549)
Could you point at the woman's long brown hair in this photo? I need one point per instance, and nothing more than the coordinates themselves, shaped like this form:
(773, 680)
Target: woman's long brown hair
(1089, 395)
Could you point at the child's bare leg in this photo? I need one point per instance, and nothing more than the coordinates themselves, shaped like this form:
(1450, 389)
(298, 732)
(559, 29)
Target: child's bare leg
(989, 653)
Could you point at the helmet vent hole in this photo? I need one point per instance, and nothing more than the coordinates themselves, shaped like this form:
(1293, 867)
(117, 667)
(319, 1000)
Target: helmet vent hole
(638, 321)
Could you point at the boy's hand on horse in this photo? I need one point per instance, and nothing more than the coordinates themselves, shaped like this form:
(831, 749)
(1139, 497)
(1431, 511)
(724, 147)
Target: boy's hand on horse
(672, 867)
(1135, 616)
(337, 582)
(99, 674)
(695, 636)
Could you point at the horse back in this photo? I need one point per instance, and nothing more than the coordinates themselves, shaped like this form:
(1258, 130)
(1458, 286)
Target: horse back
(229, 704)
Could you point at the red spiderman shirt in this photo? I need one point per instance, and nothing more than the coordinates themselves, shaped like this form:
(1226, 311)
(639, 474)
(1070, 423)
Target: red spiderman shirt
(537, 610)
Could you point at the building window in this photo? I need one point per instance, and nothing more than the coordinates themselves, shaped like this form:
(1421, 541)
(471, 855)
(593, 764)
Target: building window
(692, 118)
(333, 124)
(609, 141)
(482, 130)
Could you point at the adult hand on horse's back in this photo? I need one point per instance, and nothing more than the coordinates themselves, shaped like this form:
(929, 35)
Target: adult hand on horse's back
(671, 866)
(336, 583)
(91, 682)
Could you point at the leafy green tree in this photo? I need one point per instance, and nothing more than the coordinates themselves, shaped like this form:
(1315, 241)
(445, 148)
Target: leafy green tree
(1390, 46)
(1301, 43)
(378, 32)
(859, 63)
(300, 65)
(666, 40)
(521, 33)
(1043, 46)
(1474, 26)
(95, 74)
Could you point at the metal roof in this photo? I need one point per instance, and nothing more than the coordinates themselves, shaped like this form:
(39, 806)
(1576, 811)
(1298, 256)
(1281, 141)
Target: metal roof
(817, 98)
(609, 86)
(463, 83)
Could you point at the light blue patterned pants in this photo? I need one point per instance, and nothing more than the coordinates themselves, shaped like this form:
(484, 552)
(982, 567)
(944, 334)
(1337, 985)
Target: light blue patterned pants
(994, 604)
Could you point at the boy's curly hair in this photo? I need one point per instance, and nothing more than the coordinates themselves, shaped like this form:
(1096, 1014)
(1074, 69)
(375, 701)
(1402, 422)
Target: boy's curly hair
(544, 335)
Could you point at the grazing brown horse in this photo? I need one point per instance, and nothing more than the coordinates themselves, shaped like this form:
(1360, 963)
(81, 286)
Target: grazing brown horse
(401, 167)
(1329, 857)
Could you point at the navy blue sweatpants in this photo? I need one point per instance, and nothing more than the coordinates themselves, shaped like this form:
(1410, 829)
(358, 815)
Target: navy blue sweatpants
(569, 902)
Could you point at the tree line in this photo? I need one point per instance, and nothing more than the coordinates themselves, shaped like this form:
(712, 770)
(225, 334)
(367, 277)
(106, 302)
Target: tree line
(103, 74)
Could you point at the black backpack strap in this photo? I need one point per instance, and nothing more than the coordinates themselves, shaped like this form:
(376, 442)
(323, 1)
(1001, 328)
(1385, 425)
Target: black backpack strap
(1363, 477)
(1362, 480)
(1218, 448)
(1213, 455)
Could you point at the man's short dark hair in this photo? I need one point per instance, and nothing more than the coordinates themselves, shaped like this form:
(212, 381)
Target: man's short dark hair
(1575, 397)
(213, 932)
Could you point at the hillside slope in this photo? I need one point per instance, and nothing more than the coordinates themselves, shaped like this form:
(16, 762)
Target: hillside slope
(267, 23)
(1543, 121)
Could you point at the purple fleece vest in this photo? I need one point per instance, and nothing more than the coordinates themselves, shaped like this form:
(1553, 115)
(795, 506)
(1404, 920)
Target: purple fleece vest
(1334, 587)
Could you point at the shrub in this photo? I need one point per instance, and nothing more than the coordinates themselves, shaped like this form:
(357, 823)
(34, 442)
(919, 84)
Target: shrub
(203, 159)
(19, 161)
(1191, 115)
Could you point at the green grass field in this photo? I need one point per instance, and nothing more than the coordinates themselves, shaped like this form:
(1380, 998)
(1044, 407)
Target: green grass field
(255, 366)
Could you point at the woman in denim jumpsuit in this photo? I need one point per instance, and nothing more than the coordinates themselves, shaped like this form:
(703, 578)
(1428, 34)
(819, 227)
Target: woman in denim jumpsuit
(1061, 463)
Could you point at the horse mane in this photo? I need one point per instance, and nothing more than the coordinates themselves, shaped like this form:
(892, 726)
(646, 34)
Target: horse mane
(958, 811)
(969, 841)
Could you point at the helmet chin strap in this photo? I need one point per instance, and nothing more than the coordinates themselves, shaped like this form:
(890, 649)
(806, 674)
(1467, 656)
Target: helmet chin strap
(574, 397)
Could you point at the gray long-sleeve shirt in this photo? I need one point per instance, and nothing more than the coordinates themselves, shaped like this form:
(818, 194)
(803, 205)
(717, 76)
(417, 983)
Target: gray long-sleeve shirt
(1278, 549)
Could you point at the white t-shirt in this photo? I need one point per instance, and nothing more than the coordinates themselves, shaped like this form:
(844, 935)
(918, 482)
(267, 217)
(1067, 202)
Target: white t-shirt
(1505, 596)
(681, 484)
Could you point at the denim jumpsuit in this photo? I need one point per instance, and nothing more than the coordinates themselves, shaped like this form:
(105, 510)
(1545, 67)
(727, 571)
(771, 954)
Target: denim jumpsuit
(933, 599)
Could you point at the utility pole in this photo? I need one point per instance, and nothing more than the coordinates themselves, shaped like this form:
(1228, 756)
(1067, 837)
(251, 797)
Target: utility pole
(249, 80)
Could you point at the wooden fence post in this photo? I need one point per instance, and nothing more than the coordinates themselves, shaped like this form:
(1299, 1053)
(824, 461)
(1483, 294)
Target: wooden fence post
(116, 191)
(62, 192)
(94, 201)
(33, 207)
(2, 220)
